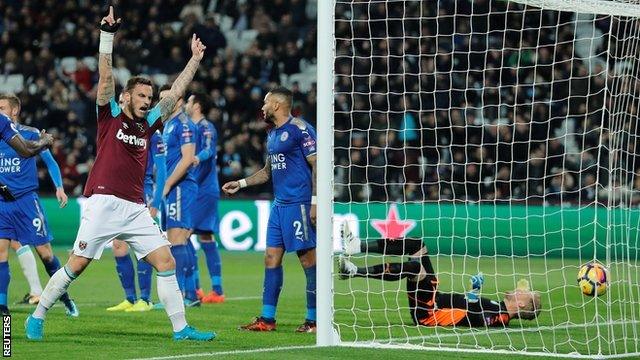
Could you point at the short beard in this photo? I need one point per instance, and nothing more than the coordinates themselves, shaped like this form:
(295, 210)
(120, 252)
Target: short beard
(133, 112)
(269, 119)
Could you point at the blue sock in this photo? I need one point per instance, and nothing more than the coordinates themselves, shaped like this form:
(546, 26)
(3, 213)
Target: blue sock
(180, 254)
(5, 277)
(124, 267)
(51, 267)
(144, 279)
(310, 274)
(196, 268)
(189, 279)
(272, 286)
(214, 265)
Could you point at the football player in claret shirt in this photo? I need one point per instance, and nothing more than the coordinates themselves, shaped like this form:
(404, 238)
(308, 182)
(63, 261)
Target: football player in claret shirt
(124, 265)
(116, 207)
(427, 305)
(291, 163)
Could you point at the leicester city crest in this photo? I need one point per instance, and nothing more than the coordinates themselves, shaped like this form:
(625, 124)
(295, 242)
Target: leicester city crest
(284, 136)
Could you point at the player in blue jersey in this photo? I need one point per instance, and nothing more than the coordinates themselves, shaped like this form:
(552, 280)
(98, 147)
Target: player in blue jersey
(291, 164)
(22, 220)
(124, 265)
(180, 190)
(205, 208)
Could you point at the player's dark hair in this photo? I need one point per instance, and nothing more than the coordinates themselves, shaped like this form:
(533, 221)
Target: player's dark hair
(283, 92)
(137, 80)
(13, 99)
(203, 100)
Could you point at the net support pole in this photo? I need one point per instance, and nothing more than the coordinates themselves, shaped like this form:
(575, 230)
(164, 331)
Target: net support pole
(324, 251)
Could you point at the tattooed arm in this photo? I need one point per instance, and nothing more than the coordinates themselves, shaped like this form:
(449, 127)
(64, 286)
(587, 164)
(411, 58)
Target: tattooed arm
(106, 86)
(167, 104)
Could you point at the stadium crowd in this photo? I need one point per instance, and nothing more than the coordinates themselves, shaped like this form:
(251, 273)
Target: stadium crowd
(460, 101)
(476, 106)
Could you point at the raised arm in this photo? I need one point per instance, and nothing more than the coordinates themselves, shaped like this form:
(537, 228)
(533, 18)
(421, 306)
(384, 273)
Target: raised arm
(259, 177)
(106, 85)
(28, 148)
(167, 104)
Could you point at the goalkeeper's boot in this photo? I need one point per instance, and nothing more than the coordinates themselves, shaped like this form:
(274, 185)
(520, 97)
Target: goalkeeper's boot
(123, 306)
(350, 243)
(347, 268)
(33, 328)
(140, 306)
(71, 309)
(213, 298)
(29, 299)
(260, 324)
(309, 326)
(189, 333)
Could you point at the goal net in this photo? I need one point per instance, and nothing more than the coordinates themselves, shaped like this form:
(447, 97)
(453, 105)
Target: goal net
(503, 134)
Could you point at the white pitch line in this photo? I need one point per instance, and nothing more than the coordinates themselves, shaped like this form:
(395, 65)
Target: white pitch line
(232, 352)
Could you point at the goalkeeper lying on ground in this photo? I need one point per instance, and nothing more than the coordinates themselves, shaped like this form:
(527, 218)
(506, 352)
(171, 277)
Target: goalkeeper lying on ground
(428, 306)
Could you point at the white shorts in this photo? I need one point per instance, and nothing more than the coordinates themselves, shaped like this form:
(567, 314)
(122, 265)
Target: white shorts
(106, 217)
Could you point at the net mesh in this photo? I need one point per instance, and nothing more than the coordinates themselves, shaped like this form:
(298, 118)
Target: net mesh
(503, 134)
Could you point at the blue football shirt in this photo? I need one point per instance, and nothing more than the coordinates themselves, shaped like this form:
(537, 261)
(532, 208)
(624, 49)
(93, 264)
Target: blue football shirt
(206, 173)
(177, 132)
(18, 173)
(156, 148)
(7, 128)
(288, 147)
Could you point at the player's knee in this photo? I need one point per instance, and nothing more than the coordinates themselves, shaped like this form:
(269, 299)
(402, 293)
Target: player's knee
(15, 245)
(177, 236)
(272, 260)
(165, 263)
(45, 252)
(307, 257)
(77, 264)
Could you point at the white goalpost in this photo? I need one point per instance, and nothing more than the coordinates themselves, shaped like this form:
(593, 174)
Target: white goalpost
(505, 136)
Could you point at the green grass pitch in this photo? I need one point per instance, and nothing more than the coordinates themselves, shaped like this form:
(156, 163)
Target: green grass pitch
(97, 334)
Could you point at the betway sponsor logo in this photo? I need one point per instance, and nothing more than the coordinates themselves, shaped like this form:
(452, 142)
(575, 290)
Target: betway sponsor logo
(131, 139)
(9, 165)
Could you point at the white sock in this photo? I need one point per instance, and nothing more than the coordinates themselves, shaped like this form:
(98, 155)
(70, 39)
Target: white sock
(57, 285)
(171, 297)
(29, 269)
